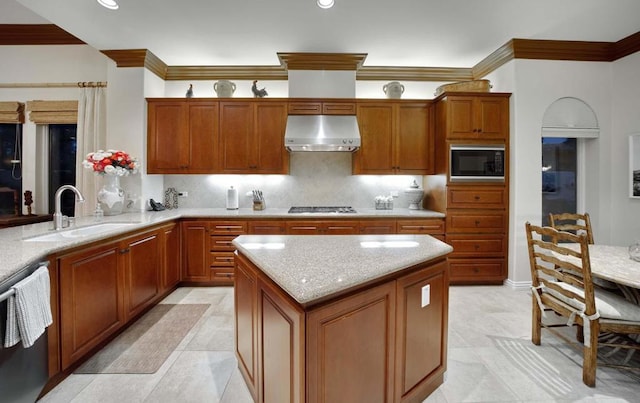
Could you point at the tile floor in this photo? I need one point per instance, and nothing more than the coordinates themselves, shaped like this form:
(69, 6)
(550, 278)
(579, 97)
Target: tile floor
(491, 359)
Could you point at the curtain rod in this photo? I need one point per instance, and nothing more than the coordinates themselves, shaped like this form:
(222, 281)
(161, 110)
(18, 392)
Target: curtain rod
(79, 84)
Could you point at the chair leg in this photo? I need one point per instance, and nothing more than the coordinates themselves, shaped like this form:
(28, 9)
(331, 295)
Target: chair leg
(591, 356)
(536, 318)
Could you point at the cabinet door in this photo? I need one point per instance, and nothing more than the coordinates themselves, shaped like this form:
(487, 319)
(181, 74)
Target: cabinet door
(168, 145)
(171, 264)
(195, 248)
(236, 137)
(414, 142)
(375, 155)
(270, 124)
(203, 136)
(246, 323)
(461, 118)
(422, 328)
(142, 262)
(421, 226)
(492, 116)
(353, 337)
(91, 294)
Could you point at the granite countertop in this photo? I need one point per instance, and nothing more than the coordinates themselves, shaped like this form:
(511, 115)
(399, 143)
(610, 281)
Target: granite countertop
(17, 253)
(312, 267)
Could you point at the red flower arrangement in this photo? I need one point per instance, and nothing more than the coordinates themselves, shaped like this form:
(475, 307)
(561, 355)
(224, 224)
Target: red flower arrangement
(111, 162)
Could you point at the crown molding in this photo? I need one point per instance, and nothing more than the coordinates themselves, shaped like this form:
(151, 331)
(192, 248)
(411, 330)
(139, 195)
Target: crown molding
(496, 59)
(627, 46)
(562, 50)
(226, 73)
(321, 61)
(138, 58)
(36, 34)
(414, 73)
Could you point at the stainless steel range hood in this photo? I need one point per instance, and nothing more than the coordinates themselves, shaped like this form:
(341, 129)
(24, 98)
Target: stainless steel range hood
(322, 133)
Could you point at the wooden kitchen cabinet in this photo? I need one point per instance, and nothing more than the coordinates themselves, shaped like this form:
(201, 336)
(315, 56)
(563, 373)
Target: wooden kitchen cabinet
(195, 250)
(246, 323)
(171, 264)
(321, 107)
(475, 117)
(377, 226)
(182, 136)
(91, 299)
(252, 137)
(222, 250)
(267, 227)
(396, 137)
(142, 268)
(322, 227)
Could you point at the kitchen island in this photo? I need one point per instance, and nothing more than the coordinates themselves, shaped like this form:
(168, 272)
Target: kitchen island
(358, 318)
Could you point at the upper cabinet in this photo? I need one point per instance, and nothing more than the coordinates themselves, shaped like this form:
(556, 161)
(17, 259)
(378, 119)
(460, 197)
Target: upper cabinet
(474, 117)
(252, 137)
(396, 138)
(321, 107)
(182, 136)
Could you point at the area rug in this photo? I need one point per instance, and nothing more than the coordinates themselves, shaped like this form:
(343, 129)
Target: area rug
(145, 345)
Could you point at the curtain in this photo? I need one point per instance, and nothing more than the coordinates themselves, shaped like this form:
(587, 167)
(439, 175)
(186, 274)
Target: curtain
(91, 136)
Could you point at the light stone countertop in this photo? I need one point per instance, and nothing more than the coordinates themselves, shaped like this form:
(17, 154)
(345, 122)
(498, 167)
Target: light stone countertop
(311, 267)
(17, 254)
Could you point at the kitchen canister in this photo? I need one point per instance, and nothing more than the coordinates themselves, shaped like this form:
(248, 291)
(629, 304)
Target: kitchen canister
(224, 88)
(232, 198)
(393, 89)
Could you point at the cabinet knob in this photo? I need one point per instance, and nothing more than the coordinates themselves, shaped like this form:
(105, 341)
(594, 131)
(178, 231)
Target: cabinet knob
(477, 223)
(476, 197)
(123, 251)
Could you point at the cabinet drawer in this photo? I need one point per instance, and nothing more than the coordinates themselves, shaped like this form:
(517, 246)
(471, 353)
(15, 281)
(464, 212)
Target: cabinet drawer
(222, 243)
(340, 228)
(267, 227)
(432, 226)
(224, 259)
(305, 108)
(476, 245)
(378, 227)
(338, 108)
(478, 198)
(229, 227)
(222, 274)
(303, 227)
(476, 222)
(473, 270)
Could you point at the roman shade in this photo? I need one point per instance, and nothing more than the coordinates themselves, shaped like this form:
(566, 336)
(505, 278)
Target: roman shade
(46, 112)
(11, 112)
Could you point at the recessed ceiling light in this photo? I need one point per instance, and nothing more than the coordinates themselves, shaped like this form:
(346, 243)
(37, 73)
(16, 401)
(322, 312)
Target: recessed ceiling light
(112, 5)
(325, 3)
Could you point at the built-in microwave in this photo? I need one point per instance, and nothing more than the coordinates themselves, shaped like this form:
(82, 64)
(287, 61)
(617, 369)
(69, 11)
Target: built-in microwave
(469, 163)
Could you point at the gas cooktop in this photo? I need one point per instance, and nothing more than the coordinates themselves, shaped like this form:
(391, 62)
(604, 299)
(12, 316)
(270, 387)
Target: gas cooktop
(322, 209)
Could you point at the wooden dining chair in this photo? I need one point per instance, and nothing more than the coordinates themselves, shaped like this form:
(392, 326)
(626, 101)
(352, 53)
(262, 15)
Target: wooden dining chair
(572, 222)
(562, 282)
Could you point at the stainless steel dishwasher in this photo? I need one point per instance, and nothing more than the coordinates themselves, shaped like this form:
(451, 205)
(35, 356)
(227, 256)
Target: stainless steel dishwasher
(23, 371)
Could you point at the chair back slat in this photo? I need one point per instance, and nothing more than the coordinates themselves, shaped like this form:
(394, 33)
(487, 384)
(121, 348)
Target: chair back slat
(573, 222)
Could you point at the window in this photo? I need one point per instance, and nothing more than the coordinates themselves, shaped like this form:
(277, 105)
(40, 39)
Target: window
(559, 176)
(10, 168)
(62, 165)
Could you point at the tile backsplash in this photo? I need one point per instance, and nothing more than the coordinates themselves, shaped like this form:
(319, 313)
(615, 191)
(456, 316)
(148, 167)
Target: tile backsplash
(315, 179)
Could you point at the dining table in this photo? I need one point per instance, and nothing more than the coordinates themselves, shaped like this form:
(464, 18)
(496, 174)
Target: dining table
(613, 264)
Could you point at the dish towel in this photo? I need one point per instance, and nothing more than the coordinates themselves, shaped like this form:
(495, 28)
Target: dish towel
(29, 309)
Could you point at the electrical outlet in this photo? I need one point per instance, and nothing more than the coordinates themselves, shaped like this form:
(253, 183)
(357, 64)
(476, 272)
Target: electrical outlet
(426, 295)
(183, 194)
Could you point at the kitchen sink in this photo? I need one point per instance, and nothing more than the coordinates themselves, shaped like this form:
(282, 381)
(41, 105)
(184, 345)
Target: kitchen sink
(75, 233)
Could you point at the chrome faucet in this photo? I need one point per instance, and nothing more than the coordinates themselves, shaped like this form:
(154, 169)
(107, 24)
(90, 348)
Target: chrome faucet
(59, 219)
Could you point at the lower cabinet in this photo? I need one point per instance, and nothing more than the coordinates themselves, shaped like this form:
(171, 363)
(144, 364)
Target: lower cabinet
(195, 250)
(171, 273)
(101, 288)
(91, 299)
(379, 344)
(142, 263)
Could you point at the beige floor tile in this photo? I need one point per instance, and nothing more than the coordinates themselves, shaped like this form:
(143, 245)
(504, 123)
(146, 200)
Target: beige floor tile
(236, 391)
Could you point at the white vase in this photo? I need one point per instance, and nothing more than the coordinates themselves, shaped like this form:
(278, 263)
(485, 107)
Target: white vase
(111, 196)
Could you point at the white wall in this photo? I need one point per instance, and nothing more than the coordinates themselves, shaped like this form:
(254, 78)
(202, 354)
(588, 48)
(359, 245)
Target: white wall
(535, 85)
(625, 105)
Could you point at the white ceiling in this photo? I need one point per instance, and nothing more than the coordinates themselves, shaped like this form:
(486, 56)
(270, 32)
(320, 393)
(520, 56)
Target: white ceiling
(415, 33)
